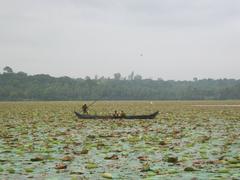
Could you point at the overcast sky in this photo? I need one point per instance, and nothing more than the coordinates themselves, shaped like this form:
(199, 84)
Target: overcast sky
(171, 39)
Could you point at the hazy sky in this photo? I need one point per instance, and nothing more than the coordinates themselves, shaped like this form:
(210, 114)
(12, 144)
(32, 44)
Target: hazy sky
(171, 39)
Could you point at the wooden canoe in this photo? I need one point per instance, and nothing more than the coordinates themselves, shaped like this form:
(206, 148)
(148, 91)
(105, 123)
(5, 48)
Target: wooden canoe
(88, 116)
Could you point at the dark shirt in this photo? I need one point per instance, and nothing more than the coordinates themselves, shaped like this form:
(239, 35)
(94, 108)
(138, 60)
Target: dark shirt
(84, 108)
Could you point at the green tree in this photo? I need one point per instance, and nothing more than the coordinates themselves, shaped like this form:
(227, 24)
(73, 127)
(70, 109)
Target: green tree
(117, 76)
(7, 69)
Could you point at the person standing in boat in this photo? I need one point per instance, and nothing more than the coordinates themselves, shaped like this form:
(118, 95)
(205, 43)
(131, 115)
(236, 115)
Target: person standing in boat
(85, 109)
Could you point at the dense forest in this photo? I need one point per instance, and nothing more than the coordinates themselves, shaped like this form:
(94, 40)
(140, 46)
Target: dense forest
(21, 86)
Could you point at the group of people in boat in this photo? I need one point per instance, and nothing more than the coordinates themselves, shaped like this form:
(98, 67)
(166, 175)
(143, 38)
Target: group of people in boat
(120, 114)
(116, 114)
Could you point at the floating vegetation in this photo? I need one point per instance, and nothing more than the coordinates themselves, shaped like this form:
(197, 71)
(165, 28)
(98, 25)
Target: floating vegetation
(187, 140)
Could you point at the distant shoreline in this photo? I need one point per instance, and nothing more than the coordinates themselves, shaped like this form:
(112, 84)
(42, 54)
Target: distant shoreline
(217, 105)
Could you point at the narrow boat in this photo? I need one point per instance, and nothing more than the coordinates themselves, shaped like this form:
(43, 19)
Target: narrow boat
(88, 116)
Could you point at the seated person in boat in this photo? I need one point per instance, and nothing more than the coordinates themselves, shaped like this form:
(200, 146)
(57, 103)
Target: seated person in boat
(115, 114)
(85, 109)
(122, 114)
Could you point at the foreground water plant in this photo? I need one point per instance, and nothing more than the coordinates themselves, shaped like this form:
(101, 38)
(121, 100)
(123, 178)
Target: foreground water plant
(46, 140)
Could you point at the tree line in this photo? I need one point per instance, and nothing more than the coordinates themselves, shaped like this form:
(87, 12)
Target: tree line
(21, 86)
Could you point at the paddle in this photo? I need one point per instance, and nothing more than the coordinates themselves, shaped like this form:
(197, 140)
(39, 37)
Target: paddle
(92, 103)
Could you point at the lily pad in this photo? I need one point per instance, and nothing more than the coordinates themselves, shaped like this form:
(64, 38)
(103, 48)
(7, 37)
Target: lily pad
(223, 170)
(91, 166)
(37, 158)
(107, 175)
(29, 170)
(11, 170)
(113, 157)
(61, 166)
(189, 169)
(84, 151)
(77, 172)
(172, 159)
(67, 158)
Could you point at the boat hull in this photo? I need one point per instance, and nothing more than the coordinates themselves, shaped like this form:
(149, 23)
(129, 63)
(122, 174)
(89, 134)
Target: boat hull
(87, 116)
